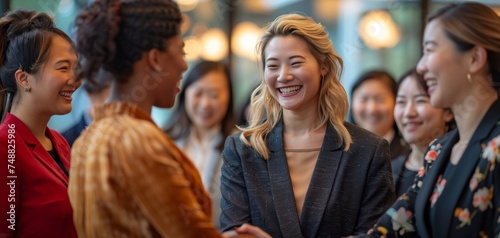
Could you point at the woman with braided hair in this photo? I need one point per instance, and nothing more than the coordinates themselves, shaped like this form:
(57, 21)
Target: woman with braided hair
(37, 64)
(129, 178)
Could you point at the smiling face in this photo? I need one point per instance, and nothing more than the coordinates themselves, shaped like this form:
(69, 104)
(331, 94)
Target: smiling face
(443, 67)
(373, 106)
(207, 100)
(171, 69)
(53, 86)
(292, 74)
(417, 120)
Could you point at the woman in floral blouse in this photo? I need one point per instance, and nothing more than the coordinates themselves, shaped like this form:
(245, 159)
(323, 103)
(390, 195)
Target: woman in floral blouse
(457, 192)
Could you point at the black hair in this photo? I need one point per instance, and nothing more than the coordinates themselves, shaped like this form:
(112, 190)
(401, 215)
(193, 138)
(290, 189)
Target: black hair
(113, 34)
(25, 41)
(468, 24)
(378, 75)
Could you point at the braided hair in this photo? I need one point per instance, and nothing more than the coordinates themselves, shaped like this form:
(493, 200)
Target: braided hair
(113, 34)
(25, 41)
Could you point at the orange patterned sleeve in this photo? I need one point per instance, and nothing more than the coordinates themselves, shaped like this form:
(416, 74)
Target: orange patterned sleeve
(129, 179)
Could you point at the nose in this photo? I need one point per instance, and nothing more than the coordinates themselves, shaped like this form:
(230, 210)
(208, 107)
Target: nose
(204, 102)
(371, 106)
(410, 111)
(421, 68)
(284, 74)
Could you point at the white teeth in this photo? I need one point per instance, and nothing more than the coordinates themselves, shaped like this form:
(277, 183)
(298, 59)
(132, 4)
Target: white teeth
(65, 94)
(289, 90)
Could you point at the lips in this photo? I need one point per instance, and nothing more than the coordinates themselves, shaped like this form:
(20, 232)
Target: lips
(289, 91)
(66, 94)
(431, 85)
(411, 126)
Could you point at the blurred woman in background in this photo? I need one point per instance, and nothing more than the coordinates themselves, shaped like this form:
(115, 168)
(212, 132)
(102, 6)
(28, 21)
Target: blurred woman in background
(373, 97)
(419, 123)
(202, 120)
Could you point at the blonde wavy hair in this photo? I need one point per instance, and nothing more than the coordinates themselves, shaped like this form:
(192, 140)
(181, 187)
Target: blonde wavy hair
(333, 106)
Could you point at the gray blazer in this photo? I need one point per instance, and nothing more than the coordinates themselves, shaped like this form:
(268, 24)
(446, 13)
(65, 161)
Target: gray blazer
(348, 192)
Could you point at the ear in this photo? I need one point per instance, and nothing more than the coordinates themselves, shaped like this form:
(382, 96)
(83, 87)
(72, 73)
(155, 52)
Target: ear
(324, 71)
(478, 59)
(154, 59)
(447, 115)
(21, 78)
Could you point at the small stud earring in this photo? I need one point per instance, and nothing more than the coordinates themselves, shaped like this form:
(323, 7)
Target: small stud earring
(27, 89)
(469, 77)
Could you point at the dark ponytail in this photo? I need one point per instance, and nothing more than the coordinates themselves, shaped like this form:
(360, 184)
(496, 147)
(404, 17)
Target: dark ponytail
(113, 34)
(25, 39)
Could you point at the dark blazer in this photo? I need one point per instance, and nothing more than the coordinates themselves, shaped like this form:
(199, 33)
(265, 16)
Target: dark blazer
(398, 146)
(74, 131)
(397, 166)
(468, 203)
(39, 192)
(348, 191)
(398, 175)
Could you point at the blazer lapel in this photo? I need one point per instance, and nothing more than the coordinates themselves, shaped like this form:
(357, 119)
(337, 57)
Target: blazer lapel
(44, 158)
(281, 185)
(448, 201)
(38, 151)
(321, 184)
(429, 182)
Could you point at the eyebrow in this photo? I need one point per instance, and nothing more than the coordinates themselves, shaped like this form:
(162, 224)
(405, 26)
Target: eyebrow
(63, 61)
(415, 96)
(291, 57)
(429, 42)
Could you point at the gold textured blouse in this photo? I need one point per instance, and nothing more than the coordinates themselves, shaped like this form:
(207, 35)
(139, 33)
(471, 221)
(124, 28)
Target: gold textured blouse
(128, 179)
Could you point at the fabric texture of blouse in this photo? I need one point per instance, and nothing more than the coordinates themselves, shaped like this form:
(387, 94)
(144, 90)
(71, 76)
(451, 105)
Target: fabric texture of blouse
(464, 204)
(301, 163)
(129, 179)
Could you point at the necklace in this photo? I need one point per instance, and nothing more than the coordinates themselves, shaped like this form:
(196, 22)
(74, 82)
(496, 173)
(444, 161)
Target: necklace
(463, 142)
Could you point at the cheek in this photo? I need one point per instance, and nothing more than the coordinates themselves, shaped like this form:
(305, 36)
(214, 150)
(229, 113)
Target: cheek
(398, 113)
(387, 109)
(269, 79)
(357, 107)
(222, 103)
(189, 104)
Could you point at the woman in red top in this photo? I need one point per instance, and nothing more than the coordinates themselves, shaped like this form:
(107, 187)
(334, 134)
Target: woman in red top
(37, 63)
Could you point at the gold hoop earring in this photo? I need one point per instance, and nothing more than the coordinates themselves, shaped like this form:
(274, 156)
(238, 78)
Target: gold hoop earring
(469, 77)
(27, 89)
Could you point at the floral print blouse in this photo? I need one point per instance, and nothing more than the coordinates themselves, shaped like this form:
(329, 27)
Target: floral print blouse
(465, 203)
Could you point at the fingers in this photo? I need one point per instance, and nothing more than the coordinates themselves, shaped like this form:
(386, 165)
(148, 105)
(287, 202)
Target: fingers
(253, 230)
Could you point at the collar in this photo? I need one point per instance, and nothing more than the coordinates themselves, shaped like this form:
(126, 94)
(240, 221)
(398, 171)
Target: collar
(119, 108)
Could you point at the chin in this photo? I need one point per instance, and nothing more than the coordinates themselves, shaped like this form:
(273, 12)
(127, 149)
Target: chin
(164, 104)
(63, 111)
